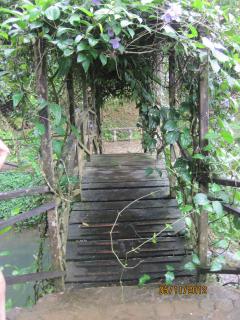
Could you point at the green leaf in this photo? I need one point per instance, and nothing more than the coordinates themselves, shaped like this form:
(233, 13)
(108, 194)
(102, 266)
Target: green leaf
(154, 238)
(17, 97)
(170, 125)
(82, 46)
(68, 52)
(194, 32)
(217, 207)
(143, 279)
(57, 147)
(81, 57)
(195, 259)
(103, 59)
(39, 129)
(227, 136)
(217, 264)
(87, 12)
(188, 222)
(169, 277)
(78, 38)
(125, 23)
(4, 253)
(93, 42)
(185, 139)
(215, 66)
(5, 230)
(56, 111)
(201, 199)
(169, 267)
(86, 65)
(198, 4)
(187, 208)
(131, 32)
(223, 244)
(190, 266)
(74, 20)
(52, 13)
(198, 156)
(172, 137)
(149, 171)
(215, 188)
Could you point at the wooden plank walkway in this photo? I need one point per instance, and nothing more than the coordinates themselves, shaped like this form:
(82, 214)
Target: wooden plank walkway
(110, 183)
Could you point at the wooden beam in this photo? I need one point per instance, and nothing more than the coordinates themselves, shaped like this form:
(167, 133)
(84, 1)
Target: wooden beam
(224, 270)
(223, 182)
(203, 129)
(29, 214)
(46, 154)
(232, 210)
(24, 192)
(33, 277)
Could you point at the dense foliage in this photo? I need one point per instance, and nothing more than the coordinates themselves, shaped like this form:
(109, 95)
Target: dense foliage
(118, 46)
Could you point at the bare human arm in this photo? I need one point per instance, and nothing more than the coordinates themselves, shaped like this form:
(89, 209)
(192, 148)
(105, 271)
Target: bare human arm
(4, 151)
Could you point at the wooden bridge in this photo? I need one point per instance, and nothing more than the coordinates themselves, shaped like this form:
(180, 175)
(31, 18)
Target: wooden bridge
(110, 183)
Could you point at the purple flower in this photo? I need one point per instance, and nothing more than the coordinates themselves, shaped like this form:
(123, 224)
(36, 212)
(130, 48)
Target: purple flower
(110, 32)
(173, 13)
(115, 43)
(96, 2)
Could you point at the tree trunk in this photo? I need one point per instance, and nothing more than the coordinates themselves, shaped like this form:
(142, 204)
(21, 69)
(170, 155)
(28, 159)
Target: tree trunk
(46, 155)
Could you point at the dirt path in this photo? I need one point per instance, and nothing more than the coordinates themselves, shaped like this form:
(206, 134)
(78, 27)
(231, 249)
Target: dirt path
(134, 146)
(133, 303)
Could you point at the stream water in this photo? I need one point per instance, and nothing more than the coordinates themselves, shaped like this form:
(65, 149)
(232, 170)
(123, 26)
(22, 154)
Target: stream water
(22, 247)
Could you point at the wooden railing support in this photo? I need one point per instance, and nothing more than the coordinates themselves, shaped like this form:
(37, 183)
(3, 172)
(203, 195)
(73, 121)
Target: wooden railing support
(203, 129)
(40, 53)
(172, 103)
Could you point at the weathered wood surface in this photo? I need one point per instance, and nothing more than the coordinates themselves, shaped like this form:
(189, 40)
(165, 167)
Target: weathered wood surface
(27, 215)
(24, 192)
(33, 277)
(110, 183)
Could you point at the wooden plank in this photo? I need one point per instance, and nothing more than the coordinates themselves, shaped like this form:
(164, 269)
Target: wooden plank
(232, 210)
(119, 205)
(30, 214)
(107, 263)
(134, 176)
(96, 250)
(150, 214)
(24, 192)
(223, 182)
(121, 231)
(125, 162)
(156, 271)
(224, 270)
(33, 277)
(125, 194)
(130, 184)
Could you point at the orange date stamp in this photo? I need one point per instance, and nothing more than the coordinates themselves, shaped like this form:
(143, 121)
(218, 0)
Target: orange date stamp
(183, 289)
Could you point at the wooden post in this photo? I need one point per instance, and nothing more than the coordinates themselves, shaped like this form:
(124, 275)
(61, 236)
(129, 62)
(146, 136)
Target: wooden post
(47, 156)
(172, 102)
(114, 135)
(70, 92)
(203, 129)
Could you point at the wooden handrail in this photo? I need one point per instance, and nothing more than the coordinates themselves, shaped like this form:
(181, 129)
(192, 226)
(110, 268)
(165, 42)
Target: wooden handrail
(224, 270)
(232, 210)
(221, 181)
(26, 215)
(32, 277)
(24, 192)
